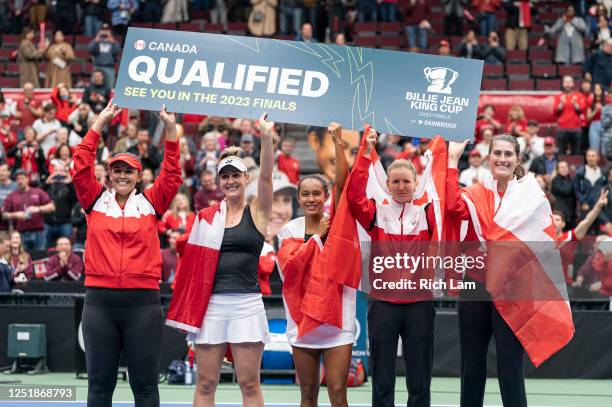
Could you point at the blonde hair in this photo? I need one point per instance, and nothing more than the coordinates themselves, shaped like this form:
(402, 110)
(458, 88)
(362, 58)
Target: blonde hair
(518, 110)
(232, 151)
(402, 163)
(174, 204)
(23, 255)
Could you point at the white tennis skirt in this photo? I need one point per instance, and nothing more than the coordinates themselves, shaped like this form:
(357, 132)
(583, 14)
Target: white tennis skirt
(233, 318)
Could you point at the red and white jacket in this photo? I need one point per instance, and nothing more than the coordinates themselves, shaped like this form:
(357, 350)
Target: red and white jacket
(122, 248)
(393, 227)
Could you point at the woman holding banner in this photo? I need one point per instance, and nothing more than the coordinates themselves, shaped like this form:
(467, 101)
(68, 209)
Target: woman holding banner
(218, 299)
(509, 208)
(301, 244)
(122, 308)
(395, 225)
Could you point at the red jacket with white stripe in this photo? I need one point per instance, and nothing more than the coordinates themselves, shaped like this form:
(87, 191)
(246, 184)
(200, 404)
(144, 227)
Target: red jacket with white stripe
(122, 249)
(394, 228)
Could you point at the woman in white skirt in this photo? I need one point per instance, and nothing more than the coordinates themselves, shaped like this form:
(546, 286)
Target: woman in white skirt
(235, 314)
(301, 243)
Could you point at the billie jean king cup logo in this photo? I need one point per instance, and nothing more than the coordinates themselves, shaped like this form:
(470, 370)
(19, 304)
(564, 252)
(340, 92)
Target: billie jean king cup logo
(440, 79)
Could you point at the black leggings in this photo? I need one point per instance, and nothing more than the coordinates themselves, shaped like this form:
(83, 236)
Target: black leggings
(128, 320)
(478, 321)
(414, 322)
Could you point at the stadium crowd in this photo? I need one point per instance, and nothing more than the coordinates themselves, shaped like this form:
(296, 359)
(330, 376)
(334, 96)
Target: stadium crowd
(42, 219)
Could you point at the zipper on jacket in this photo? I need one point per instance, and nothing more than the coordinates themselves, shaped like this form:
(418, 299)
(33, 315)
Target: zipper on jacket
(121, 244)
(401, 219)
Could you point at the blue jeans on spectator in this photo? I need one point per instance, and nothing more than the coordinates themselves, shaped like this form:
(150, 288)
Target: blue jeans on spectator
(368, 7)
(34, 240)
(417, 37)
(92, 25)
(293, 14)
(487, 22)
(53, 232)
(595, 130)
(388, 12)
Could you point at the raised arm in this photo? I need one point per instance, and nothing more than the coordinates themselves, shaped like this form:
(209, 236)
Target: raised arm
(362, 208)
(455, 206)
(262, 206)
(341, 165)
(168, 182)
(582, 228)
(87, 187)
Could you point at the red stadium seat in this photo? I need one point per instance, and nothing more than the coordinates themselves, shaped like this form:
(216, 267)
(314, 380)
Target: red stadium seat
(549, 84)
(236, 28)
(10, 41)
(12, 69)
(393, 43)
(571, 70)
(366, 41)
(365, 29)
(8, 82)
(193, 27)
(166, 26)
(82, 53)
(516, 56)
(140, 24)
(520, 84)
(540, 56)
(82, 39)
(544, 71)
(76, 68)
(213, 28)
(517, 71)
(6, 54)
(494, 84)
(390, 27)
(493, 71)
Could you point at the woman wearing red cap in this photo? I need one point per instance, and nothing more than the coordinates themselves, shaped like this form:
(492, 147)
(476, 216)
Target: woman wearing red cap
(123, 264)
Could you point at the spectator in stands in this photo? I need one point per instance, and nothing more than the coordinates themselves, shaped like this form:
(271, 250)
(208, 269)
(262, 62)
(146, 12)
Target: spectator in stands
(6, 275)
(25, 207)
(187, 163)
(601, 34)
(282, 206)
(65, 17)
(306, 34)
(128, 139)
(335, 16)
(596, 270)
(487, 21)
(600, 10)
(61, 159)
(589, 181)
(532, 145)
(322, 144)
(516, 124)
(20, 260)
(97, 94)
(518, 23)
(311, 11)
(290, 10)
(30, 157)
(209, 193)
(469, 47)
(476, 172)
(562, 188)
(29, 109)
(147, 153)
(59, 55)
(571, 30)
(64, 265)
(169, 258)
(79, 222)
(79, 121)
(178, 218)
(247, 142)
(151, 11)
(6, 187)
(176, 11)
(8, 140)
(101, 174)
(599, 66)
(340, 39)
(105, 53)
(606, 214)
(61, 190)
(487, 120)
(18, 11)
(92, 13)
(64, 102)
(29, 57)
(220, 124)
(286, 162)
(61, 138)
(453, 16)
(46, 128)
(121, 14)
(568, 106)
(388, 10)
(367, 10)
(208, 156)
(606, 134)
(417, 14)
(262, 20)
(8, 109)
(38, 13)
(492, 52)
(444, 48)
(547, 162)
(595, 103)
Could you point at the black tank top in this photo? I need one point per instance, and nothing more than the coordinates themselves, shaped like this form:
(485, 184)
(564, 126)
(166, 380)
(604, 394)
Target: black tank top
(239, 258)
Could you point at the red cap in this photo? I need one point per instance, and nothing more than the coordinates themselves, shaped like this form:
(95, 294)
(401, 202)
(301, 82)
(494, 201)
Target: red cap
(443, 43)
(550, 141)
(129, 159)
(475, 152)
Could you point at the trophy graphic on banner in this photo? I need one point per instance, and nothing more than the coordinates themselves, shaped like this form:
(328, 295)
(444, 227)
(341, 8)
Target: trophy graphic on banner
(440, 79)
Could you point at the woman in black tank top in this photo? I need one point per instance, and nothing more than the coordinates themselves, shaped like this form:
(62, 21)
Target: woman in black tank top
(235, 314)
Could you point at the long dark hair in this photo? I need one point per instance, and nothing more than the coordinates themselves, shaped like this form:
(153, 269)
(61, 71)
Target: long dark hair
(317, 177)
(601, 98)
(519, 171)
